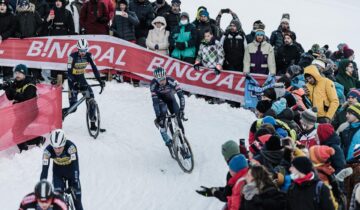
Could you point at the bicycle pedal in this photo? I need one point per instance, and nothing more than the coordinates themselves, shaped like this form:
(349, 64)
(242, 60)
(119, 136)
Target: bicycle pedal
(102, 130)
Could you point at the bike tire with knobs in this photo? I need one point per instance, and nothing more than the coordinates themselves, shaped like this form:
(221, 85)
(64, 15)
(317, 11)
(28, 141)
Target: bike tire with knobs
(92, 133)
(186, 164)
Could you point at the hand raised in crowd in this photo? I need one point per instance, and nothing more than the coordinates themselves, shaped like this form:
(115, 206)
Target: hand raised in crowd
(124, 14)
(50, 17)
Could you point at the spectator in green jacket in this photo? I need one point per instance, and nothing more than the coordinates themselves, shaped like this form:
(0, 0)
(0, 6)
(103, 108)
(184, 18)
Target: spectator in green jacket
(345, 78)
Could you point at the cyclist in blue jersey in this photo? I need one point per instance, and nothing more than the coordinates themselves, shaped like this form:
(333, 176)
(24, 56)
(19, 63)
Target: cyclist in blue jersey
(76, 67)
(163, 89)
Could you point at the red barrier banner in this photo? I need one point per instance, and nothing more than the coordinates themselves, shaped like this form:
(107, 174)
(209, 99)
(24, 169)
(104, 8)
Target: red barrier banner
(27, 120)
(113, 53)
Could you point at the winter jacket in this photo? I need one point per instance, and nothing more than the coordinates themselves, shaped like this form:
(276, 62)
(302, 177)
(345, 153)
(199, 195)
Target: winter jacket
(161, 10)
(75, 9)
(211, 54)
(62, 24)
(94, 17)
(159, 37)
(268, 199)
(234, 48)
(145, 13)
(187, 34)
(201, 27)
(277, 38)
(21, 91)
(303, 196)
(338, 159)
(323, 94)
(347, 81)
(251, 37)
(308, 138)
(124, 28)
(237, 182)
(287, 116)
(7, 25)
(172, 20)
(29, 23)
(325, 171)
(259, 58)
(350, 137)
(286, 56)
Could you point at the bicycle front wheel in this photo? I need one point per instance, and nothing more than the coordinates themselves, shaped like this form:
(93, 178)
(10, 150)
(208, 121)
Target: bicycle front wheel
(183, 153)
(95, 128)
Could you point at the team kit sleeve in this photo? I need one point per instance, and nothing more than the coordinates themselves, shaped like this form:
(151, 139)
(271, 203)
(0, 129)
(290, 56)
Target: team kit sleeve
(93, 66)
(45, 164)
(175, 84)
(155, 98)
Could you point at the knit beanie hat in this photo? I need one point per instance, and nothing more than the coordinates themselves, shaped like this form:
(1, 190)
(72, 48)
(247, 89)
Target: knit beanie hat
(285, 18)
(176, 2)
(204, 13)
(279, 106)
(230, 149)
(355, 93)
(348, 53)
(263, 106)
(319, 62)
(270, 93)
(237, 163)
(294, 70)
(354, 110)
(21, 68)
(273, 144)
(320, 154)
(324, 131)
(269, 120)
(309, 116)
(185, 14)
(302, 164)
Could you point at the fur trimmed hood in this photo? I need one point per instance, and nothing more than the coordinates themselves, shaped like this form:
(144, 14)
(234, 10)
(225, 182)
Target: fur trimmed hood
(30, 8)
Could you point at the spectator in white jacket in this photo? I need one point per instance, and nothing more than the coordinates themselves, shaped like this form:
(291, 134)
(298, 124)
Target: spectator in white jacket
(158, 38)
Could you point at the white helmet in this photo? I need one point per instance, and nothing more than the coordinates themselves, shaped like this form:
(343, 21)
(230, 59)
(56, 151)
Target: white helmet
(57, 138)
(82, 44)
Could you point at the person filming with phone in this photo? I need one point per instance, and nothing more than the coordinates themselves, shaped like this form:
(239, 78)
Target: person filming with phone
(60, 20)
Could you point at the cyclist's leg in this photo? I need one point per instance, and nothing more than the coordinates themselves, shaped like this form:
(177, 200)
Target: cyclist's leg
(74, 183)
(58, 182)
(163, 130)
(91, 106)
(72, 95)
(175, 109)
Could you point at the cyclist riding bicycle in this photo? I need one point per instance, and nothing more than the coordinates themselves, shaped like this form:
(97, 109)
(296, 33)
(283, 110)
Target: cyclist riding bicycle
(43, 198)
(76, 69)
(65, 165)
(163, 89)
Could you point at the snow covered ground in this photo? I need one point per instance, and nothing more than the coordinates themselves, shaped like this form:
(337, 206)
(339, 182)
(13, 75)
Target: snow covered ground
(129, 167)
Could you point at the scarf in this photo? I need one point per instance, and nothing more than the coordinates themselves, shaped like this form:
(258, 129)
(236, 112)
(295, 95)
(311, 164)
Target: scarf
(250, 190)
(308, 177)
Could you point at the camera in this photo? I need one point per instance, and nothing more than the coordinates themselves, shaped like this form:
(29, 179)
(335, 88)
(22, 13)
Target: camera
(6, 84)
(225, 11)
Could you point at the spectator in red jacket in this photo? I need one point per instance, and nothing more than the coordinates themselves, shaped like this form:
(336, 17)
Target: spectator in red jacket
(95, 17)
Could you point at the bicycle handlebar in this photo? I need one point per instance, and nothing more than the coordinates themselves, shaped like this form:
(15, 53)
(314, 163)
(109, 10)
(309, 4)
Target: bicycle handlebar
(174, 115)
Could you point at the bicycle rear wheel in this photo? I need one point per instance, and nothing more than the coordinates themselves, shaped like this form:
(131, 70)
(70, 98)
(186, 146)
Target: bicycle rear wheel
(95, 132)
(183, 153)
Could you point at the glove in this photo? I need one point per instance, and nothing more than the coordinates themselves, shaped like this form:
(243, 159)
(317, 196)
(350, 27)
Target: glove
(6, 85)
(156, 47)
(197, 66)
(247, 76)
(82, 31)
(217, 69)
(207, 192)
(180, 45)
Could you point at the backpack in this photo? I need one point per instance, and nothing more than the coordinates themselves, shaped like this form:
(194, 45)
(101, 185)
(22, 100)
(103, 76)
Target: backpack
(335, 188)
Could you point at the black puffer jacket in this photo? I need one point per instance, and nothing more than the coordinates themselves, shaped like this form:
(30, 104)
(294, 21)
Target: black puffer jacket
(21, 91)
(7, 25)
(62, 24)
(145, 13)
(269, 198)
(29, 23)
(270, 159)
(234, 47)
(303, 196)
(124, 28)
(41, 7)
(172, 20)
(286, 55)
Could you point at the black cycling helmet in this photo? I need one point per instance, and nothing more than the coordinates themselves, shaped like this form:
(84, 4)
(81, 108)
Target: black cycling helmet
(43, 190)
